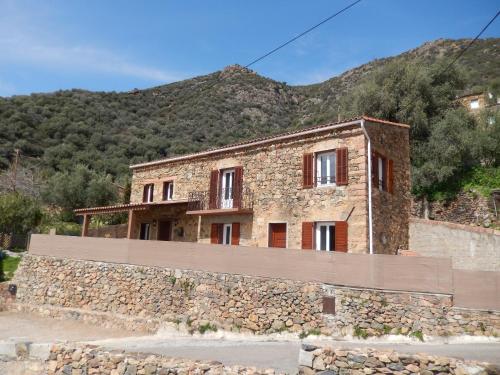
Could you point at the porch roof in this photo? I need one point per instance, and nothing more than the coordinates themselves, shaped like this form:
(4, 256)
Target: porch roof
(127, 207)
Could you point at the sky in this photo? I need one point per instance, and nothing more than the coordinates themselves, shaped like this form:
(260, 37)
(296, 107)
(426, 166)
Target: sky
(121, 45)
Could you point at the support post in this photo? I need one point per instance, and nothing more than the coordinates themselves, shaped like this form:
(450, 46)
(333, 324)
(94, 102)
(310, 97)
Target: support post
(131, 224)
(85, 226)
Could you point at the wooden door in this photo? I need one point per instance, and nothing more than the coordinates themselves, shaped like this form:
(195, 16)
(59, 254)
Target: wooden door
(164, 231)
(277, 235)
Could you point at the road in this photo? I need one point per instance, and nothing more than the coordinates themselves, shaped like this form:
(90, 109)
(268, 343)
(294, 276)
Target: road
(263, 352)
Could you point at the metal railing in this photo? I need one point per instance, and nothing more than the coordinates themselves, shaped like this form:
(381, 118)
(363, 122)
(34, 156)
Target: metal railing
(224, 199)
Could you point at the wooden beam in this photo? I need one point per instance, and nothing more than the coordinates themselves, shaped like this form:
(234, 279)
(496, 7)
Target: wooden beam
(85, 226)
(131, 224)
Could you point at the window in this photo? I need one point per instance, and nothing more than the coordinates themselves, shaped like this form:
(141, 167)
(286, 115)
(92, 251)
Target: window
(227, 184)
(325, 168)
(325, 236)
(168, 190)
(277, 235)
(382, 174)
(144, 235)
(474, 104)
(147, 194)
(226, 234)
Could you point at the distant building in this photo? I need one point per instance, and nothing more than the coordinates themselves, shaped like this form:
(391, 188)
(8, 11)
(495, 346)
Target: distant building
(476, 102)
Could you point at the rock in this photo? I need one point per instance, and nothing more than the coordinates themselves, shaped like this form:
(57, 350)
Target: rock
(356, 358)
(306, 358)
(318, 364)
(130, 370)
(309, 347)
(412, 368)
(396, 366)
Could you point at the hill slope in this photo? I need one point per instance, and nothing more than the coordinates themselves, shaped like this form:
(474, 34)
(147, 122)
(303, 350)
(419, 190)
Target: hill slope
(108, 130)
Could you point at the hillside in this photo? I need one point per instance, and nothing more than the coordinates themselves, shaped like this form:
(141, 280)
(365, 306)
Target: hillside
(108, 131)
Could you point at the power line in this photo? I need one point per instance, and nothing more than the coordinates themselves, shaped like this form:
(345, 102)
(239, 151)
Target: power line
(302, 34)
(470, 44)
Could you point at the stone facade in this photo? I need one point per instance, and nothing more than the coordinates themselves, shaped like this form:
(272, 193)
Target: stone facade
(200, 301)
(79, 360)
(274, 173)
(326, 360)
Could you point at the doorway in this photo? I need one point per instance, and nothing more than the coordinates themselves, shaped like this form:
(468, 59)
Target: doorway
(165, 230)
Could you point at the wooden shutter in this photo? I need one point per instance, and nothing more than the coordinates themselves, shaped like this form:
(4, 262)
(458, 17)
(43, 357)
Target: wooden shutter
(238, 187)
(235, 234)
(214, 233)
(390, 176)
(308, 171)
(342, 167)
(214, 184)
(374, 169)
(145, 193)
(341, 236)
(307, 235)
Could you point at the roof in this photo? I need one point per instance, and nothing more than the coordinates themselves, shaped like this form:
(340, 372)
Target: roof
(125, 207)
(270, 139)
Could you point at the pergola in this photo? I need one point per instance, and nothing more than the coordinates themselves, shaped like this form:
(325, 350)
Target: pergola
(131, 208)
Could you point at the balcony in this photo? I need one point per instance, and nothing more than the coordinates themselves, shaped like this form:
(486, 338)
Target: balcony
(224, 202)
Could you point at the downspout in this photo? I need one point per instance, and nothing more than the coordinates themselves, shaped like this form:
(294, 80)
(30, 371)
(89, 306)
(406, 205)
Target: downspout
(370, 211)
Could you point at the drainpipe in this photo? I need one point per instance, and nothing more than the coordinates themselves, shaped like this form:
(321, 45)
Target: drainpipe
(370, 212)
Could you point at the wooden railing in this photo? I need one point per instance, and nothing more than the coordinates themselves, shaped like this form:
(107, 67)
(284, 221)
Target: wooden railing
(224, 199)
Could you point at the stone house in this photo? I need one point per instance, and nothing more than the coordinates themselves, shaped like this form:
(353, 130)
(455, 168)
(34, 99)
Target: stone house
(313, 188)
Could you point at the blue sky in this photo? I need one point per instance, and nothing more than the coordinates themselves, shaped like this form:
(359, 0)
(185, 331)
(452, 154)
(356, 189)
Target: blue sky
(120, 45)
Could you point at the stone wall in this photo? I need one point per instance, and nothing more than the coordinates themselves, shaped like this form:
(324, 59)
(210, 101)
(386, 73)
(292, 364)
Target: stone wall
(274, 174)
(468, 207)
(109, 231)
(470, 248)
(326, 360)
(391, 211)
(73, 360)
(200, 301)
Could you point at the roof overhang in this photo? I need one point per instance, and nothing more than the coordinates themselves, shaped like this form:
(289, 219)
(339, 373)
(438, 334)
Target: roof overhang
(126, 207)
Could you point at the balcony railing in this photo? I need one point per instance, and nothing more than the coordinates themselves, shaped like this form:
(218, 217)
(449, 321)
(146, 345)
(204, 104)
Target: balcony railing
(241, 199)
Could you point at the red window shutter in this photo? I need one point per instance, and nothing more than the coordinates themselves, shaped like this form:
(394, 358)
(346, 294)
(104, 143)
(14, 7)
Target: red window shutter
(390, 176)
(214, 233)
(235, 234)
(374, 169)
(342, 167)
(307, 235)
(238, 187)
(308, 171)
(341, 236)
(214, 184)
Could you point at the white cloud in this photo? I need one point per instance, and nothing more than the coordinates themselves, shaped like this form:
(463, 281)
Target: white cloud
(26, 39)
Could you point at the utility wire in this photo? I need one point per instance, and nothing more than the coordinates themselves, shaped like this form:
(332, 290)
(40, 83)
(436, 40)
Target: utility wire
(470, 44)
(302, 34)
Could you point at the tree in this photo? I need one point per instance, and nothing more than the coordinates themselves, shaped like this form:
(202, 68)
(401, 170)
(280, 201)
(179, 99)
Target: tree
(77, 188)
(18, 213)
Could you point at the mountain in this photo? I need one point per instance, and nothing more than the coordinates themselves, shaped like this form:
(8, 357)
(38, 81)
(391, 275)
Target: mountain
(108, 130)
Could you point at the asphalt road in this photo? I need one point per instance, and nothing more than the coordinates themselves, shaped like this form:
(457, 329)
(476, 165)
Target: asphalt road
(262, 352)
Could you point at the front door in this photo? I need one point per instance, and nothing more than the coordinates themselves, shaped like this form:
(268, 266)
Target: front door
(164, 231)
(277, 235)
(227, 188)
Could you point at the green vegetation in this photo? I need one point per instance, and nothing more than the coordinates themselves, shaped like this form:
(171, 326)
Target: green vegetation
(18, 213)
(417, 334)
(311, 332)
(207, 327)
(360, 333)
(8, 266)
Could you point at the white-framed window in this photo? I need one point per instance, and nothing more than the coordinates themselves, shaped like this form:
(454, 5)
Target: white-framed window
(326, 168)
(227, 231)
(168, 190)
(227, 185)
(474, 104)
(145, 231)
(381, 165)
(325, 236)
(148, 193)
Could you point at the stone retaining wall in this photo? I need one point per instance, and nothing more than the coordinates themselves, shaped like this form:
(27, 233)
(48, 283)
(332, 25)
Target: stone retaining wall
(329, 361)
(79, 360)
(204, 301)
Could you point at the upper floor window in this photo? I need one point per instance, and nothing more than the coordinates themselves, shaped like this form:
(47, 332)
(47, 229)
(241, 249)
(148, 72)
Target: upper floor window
(382, 172)
(474, 104)
(147, 193)
(227, 188)
(325, 168)
(168, 190)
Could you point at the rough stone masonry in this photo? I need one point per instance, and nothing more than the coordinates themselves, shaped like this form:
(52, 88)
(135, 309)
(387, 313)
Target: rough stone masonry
(203, 301)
